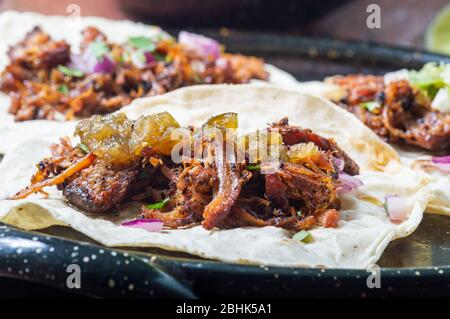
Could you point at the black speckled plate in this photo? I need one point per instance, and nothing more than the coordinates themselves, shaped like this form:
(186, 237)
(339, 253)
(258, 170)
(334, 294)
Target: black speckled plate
(418, 265)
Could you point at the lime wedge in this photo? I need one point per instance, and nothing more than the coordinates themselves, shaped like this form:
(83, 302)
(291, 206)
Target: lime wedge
(437, 37)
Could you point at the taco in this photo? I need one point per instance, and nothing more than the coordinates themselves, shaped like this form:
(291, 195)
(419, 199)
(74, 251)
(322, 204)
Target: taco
(305, 202)
(402, 107)
(222, 187)
(413, 109)
(409, 109)
(61, 69)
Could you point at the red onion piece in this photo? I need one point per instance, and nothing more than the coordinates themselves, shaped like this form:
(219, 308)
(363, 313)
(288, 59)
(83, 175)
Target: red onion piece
(104, 66)
(396, 208)
(204, 46)
(149, 58)
(441, 159)
(339, 164)
(151, 225)
(141, 59)
(84, 62)
(347, 183)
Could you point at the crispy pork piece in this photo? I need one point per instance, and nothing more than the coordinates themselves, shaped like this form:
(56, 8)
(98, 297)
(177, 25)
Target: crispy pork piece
(99, 187)
(402, 114)
(293, 135)
(295, 184)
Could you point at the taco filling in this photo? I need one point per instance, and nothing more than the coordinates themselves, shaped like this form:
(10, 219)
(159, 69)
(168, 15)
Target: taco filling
(400, 108)
(283, 176)
(47, 79)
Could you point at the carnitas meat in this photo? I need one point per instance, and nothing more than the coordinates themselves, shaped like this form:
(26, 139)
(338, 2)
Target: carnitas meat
(222, 190)
(46, 79)
(398, 112)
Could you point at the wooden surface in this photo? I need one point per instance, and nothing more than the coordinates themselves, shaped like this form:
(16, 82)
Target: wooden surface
(403, 21)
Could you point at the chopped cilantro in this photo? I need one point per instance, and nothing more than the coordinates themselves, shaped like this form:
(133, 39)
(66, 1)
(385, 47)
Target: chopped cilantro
(64, 89)
(142, 43)
(99, 49)
(429, 79)
(83, 147)
(160, 57)
(253, 167)
(370, 106)
(70, 72)
(158, 205)
(303, 236)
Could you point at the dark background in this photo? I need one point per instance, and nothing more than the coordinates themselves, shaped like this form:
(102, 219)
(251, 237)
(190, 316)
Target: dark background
(403, 21)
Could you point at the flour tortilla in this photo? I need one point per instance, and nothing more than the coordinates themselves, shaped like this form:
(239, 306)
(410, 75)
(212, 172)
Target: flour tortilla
(13, 28)
(409, 156)
(364, 230)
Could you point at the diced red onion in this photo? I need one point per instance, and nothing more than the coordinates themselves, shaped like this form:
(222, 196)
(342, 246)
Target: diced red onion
(441, 159)
(84, 62)
(142, 59)
(347, 183)
(149, 58)
(339, 164)
(204, 46)
(396, 208)
(104, 66)
(151, 225)
(87, 62)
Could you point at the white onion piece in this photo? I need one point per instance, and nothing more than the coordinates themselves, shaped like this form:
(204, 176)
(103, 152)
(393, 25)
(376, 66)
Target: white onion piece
(204, 46)
(445, 75)
(137, 59)
(402, 74)
(396, 208)
(441, 101)
(151, 225)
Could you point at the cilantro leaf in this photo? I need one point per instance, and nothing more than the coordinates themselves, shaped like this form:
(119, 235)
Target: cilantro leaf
(70, 72)
(370, 106)
(64, 89)
(83, 147)
(142, 43)
(303, 236)
(99, 49)
(158, 205)
(253, 167)
(429, 79)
